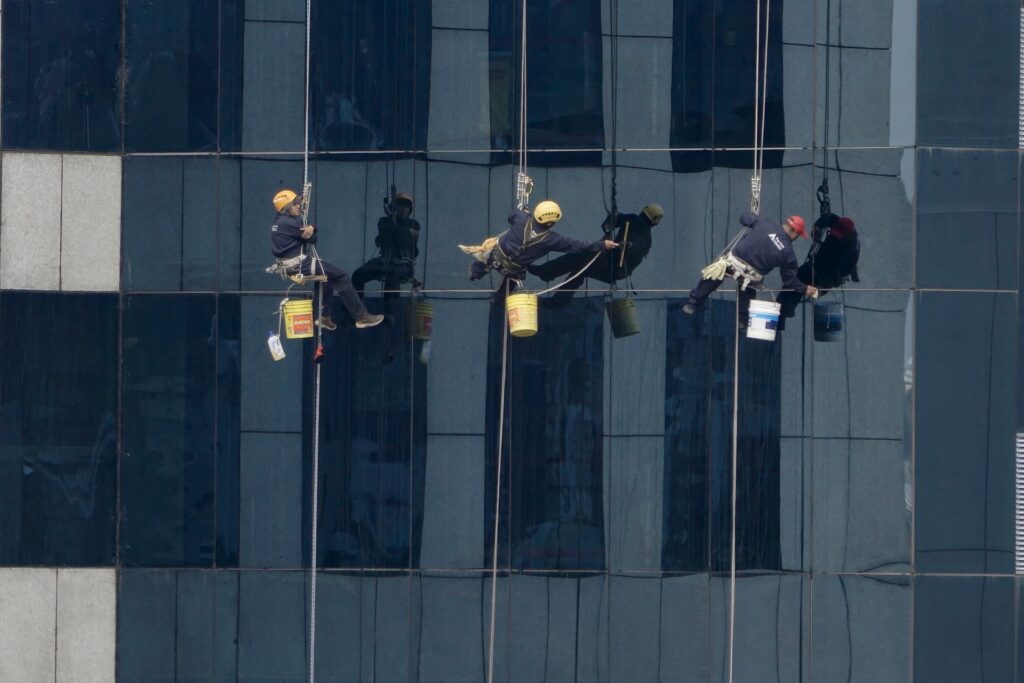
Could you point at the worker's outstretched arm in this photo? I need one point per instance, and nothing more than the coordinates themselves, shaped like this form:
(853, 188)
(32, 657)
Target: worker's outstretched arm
(789, 275)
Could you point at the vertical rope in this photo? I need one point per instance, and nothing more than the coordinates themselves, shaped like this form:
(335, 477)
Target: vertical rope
(305, 135)
(735, 459)
(497, 495)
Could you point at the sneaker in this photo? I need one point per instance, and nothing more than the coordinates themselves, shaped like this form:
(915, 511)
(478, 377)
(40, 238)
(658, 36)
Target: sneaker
(369, 320)
(326, 323)
(689, 309)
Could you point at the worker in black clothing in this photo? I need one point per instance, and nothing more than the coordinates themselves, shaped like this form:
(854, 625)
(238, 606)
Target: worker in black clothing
(634, 233)
(830, 263)
(397, 234)
(767, 246)
(528, 239)
(288, 238)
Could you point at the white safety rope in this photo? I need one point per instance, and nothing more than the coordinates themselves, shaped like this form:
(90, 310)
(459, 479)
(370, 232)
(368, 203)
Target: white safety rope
(318, 294)
(760, 104)
(523, 186)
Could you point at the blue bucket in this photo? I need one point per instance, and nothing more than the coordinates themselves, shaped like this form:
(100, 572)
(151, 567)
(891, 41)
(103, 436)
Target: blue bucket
(828, 321)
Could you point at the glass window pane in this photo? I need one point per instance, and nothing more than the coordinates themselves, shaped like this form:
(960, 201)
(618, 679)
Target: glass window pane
(61, 71)
(58, 428)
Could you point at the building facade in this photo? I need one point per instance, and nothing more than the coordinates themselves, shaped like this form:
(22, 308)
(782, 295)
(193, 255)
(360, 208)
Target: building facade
(156, 464)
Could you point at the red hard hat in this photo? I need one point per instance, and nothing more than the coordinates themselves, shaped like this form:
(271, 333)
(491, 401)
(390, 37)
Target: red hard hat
(845, 226)
(798, 225)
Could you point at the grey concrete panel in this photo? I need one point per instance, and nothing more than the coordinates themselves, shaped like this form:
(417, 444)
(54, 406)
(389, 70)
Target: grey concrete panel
(634, 606)
(634, 386)
(86, 625)
(798, 94)
(644, 116)
(798, 22)
(459, 14)
(862, 513)
(862, 629)
(90, 244)
(858, 97)
(261, 179)
(454, 622)
(457, 381)
(684, 629)
(28, 603)
(272, 631)
(457, 214)
(858, 380)
(770, 620)
(273, 97)
(634, 492)
(30, 221)
(860, 24)
(275, 10)
(453, 503)
(460, 109)
(270, 390)
(270, 498)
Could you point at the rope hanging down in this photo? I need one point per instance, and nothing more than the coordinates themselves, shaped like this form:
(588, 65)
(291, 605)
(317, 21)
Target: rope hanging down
(760, 102)
(523, 187)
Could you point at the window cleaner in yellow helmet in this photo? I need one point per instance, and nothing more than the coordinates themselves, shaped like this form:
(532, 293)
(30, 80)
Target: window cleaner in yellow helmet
(634, 231)
(288, 238)
(527, 239)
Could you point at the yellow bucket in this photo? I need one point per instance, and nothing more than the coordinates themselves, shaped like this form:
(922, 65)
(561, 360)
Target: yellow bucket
(622, 314)
(422, 320)
(522, 314)
(298, 318)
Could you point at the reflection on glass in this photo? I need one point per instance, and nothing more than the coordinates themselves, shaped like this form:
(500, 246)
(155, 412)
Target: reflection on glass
(58, 428)
(62, 75)
(564, 76)
(397, 237)
(552, 473)
(372, 443)
(698, 444)
(371, 74)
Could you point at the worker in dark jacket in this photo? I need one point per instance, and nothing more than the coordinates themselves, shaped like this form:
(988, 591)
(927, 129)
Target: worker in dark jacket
(288, 238)
(527, 240)
(397, 234)
(767, 246)
(830, 263)
(634, 234)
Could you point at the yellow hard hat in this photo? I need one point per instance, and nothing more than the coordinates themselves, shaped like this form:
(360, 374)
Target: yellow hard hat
(283, 199)
(654, 212)
(547, 212)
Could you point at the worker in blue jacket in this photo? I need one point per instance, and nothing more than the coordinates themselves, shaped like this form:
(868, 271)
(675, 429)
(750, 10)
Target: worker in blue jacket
(288, 238)
(765, 247)
(527, 239)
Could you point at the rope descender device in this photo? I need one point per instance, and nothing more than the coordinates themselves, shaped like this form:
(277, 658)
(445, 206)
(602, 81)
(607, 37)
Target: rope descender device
(524, 186)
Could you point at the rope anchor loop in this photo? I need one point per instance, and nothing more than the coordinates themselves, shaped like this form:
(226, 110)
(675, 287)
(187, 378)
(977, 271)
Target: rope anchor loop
(755, 194)
(524, 186)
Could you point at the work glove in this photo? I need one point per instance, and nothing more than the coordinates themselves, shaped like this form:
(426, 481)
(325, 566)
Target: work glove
(716, 270)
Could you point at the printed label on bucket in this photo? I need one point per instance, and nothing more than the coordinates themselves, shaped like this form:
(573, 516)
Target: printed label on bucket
(762, 321)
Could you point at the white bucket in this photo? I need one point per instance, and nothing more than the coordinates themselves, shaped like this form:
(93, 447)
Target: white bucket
(764, 320)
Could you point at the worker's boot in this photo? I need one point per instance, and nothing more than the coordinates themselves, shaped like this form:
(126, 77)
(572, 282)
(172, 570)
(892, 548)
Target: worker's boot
(369, 320)
(326, 323)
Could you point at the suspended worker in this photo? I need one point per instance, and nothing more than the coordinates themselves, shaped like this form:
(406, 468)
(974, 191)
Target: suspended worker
(527, 240)
(633, 233)
(831, 262)
(397, 234)
(288, 239)
(763, 248)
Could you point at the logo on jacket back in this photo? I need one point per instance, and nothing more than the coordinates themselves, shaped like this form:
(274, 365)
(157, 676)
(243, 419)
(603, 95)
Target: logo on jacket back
(776, 241)
(273, 228)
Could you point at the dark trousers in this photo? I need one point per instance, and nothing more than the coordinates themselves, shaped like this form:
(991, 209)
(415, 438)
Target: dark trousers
(392, 275)
(340, 282)
(604, 269)
(704, 289)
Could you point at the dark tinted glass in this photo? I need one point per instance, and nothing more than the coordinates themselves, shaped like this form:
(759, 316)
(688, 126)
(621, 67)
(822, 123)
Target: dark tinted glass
(169, 431)
(172, 87)
(58, 428)
(964, 432)
(967, 196)
(61, 63)
(967, 73)
(963, 628)
(552, 452)
(698, 443)
(564, 76)
(371, 74)
(372, 443)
